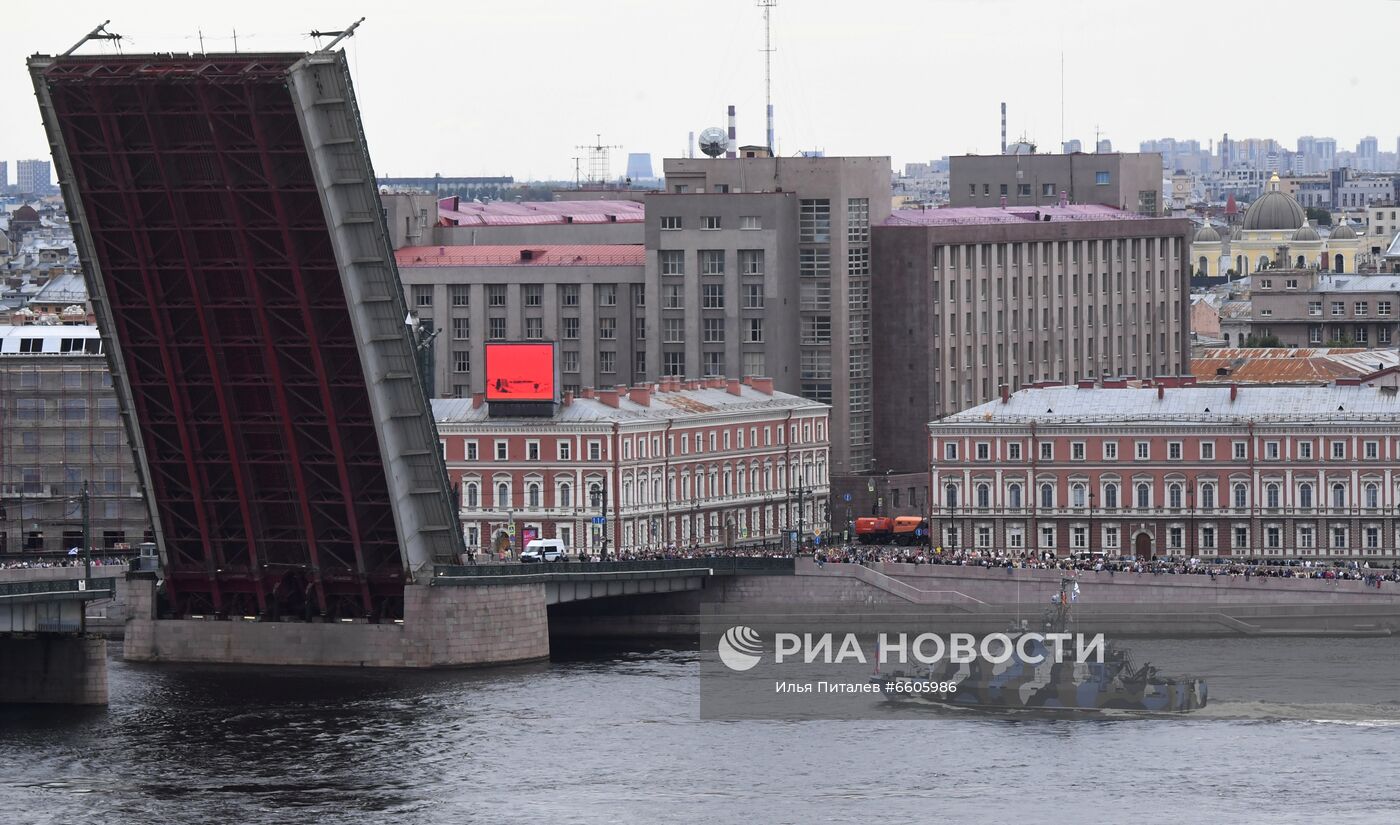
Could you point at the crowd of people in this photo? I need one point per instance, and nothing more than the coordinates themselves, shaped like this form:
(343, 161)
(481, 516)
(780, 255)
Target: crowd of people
(1243, 569)
(61, 561)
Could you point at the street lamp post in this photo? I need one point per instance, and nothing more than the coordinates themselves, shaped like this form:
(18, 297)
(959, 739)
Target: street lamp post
(1090, 542)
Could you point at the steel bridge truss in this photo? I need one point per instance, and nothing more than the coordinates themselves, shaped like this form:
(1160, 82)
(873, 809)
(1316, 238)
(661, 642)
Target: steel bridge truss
(288, 455)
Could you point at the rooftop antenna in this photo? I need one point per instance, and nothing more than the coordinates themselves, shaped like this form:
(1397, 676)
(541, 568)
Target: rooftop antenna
(99, 33)
(767, 6)
(339, 36)
(599, 166)
(577, 184)
(235, 41)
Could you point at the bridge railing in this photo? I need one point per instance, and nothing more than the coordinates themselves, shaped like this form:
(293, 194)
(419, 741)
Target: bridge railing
(96, 588)
(716, 565)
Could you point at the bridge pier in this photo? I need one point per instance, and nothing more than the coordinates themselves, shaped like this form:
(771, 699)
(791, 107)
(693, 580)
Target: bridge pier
(442, 627)
(52, 669)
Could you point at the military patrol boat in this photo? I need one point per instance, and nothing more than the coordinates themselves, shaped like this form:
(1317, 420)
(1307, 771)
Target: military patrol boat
(1031, 680)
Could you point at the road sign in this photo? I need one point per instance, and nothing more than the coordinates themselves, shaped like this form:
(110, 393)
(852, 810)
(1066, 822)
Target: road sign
(511, 530)
(847, 496)
(600, 520)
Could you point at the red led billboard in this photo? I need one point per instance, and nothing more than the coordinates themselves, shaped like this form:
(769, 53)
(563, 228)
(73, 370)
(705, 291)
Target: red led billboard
(519, 372)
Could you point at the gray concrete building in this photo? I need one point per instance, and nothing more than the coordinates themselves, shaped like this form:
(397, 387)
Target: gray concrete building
(973, 300)
(416, 219)
(591, 299)
(33, 177)
(1124, 180)
(1308, 308)
(59, 427)
(826, 231)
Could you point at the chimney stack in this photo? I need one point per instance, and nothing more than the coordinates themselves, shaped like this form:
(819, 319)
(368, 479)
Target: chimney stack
(641, 395)
(735, 387)
(478, 399)
(568, 397)
(763, 385)
(1064, 199)
(733, 135)
(608, 397)
(1005, 394)
(1234, 392)
(587, 392)
(1003, 127)
(1161, 391)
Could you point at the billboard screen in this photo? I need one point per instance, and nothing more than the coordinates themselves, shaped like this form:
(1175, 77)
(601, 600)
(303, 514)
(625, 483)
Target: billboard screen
(520, 372)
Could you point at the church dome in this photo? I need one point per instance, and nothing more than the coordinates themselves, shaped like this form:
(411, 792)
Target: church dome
(1343, 232)
(1236, 234)
(1275, 210)
(1207, 234)
(1306, 235)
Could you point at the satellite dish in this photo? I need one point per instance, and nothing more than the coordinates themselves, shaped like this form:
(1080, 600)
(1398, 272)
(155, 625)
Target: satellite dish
(714, 141)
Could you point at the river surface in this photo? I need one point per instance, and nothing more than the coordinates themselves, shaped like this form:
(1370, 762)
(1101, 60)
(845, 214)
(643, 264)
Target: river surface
(613, 735)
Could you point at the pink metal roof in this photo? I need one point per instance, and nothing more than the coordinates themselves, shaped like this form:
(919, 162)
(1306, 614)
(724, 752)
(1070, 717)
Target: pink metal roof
(970, 215)
(523, 255)
(502, 213)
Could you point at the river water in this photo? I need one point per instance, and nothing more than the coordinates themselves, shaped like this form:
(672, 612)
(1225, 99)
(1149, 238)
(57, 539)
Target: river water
(613, 735)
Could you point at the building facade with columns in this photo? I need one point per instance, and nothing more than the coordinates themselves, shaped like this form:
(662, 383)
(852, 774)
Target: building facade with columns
(713, 463)
(1123, 469)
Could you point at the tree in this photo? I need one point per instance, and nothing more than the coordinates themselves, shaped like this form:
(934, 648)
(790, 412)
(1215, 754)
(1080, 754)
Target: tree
(1321, 216)
(1263, 341)
(1344, 341)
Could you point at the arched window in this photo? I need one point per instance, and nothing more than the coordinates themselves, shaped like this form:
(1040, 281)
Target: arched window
(502, 494)
(1305, 495)
(1110, 496)
(1076, 495)
(1047, 495)
(566, 495)
(1301, 263)
(473, 495)
(1201, 267)
(595, 495)
(1174, 496)
(532, 494)
(1263, 262)
(1013, 496)
(1338, 267)
(1373, 496)
(1241, 496)
(1271, 495)
(950, 495)
(1339, 495)
(1144, 496)
(1208, 496)
(984, 496)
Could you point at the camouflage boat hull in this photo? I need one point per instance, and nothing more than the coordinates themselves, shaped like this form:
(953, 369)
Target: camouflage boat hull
(1063, 687)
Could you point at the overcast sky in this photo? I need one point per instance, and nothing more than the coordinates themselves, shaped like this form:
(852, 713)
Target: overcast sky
(466, 87)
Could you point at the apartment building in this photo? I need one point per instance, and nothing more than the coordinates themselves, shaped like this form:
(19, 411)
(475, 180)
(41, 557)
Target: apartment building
(591, 299)
(973, 299)
(1308, 308)
(1125, 470)
(711, 463)
(60, 428)
(1124, 180)
(824, 225)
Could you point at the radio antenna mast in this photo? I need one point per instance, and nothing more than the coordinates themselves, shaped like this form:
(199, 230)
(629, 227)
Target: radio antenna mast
(767, 6)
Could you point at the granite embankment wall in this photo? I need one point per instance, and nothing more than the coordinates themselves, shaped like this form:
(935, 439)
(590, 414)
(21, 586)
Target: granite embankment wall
(975, 599)
(442, 627)
(53, 670)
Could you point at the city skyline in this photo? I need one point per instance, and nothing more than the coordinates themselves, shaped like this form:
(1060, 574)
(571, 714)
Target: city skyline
(831, 77)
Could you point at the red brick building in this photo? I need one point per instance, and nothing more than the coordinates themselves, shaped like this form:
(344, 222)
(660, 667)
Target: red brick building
(711, 463)
(1174, 469)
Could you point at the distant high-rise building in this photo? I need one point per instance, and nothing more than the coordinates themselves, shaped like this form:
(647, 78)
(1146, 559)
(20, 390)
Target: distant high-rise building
(1368, 154)
(639, 166)
(1069, 147)
(4, 176)
(32, 177)
(1104, 146)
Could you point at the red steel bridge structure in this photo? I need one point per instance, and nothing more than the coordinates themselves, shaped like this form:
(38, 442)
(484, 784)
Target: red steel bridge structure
(235, 250)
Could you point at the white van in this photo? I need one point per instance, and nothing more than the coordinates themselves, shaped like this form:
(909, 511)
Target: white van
(545, 550)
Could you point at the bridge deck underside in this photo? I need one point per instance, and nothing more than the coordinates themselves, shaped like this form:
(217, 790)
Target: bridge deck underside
(235, 337)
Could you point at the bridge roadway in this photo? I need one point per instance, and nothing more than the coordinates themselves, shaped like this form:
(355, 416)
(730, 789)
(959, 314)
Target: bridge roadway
(46, 656)
(576, 581)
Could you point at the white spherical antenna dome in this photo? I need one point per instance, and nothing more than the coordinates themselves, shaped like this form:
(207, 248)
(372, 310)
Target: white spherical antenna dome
(714, 141)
